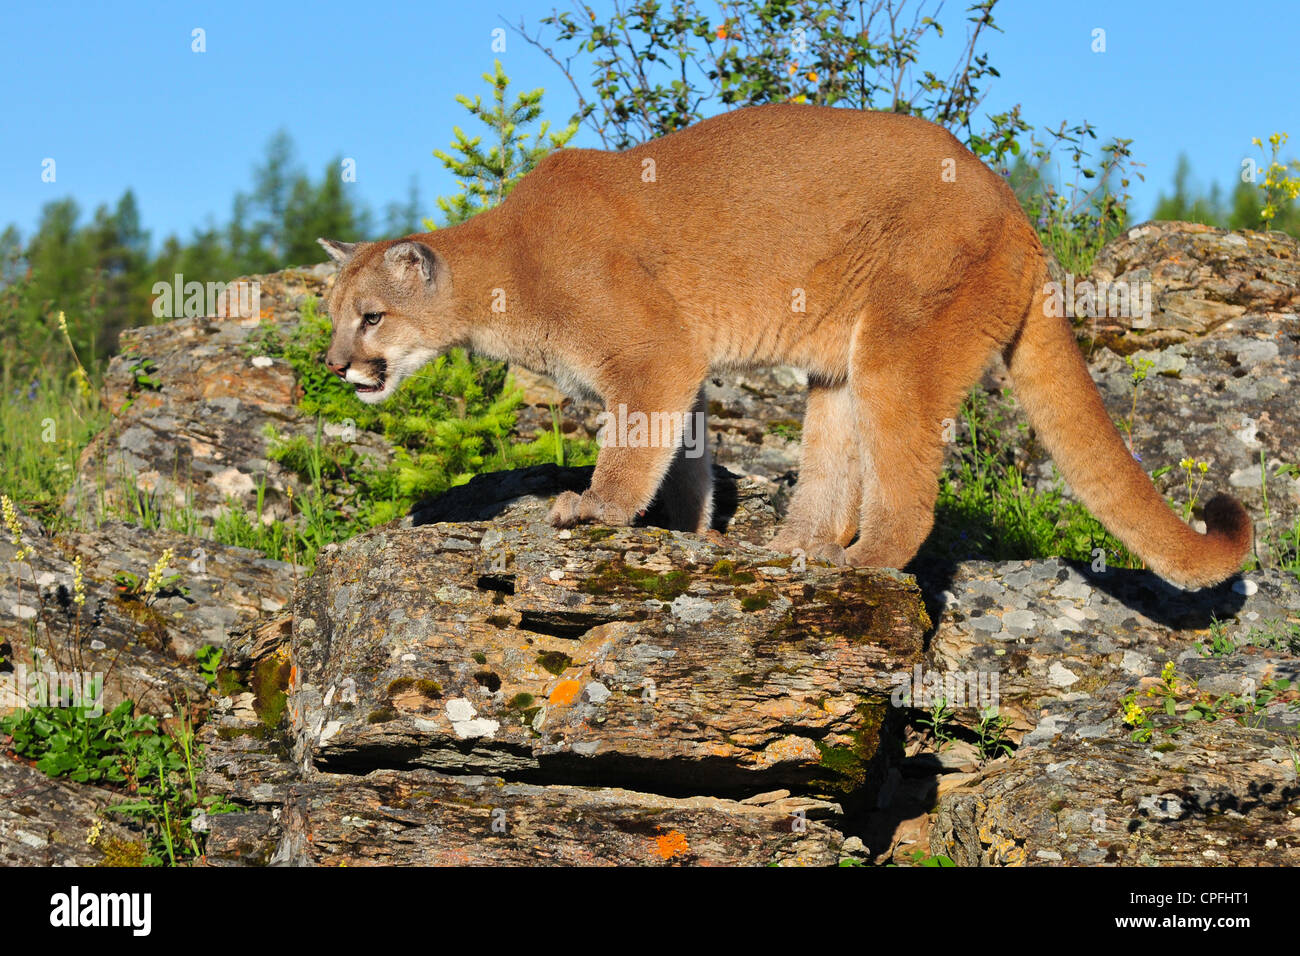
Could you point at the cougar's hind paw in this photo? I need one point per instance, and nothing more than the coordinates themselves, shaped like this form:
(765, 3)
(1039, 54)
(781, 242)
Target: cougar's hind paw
(828, 552)
(812, 550)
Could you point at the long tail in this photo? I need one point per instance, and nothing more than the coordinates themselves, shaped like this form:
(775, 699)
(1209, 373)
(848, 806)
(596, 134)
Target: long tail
(1065, 408)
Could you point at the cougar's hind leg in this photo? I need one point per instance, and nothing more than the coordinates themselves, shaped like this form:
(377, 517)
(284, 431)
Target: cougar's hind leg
(905, 388)
(823, 514)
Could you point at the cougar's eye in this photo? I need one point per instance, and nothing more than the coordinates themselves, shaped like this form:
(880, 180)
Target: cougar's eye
(372, 318)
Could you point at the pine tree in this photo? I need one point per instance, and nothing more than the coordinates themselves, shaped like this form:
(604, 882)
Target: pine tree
(318, 210)
(486, 178)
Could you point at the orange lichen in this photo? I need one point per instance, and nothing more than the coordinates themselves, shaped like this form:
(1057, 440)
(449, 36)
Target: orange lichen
(671, 844)
(564, 693)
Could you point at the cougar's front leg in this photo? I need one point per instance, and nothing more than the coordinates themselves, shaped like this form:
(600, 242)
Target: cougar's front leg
(637, 450)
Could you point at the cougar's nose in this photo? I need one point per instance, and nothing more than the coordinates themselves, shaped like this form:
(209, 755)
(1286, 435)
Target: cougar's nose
(338, 368)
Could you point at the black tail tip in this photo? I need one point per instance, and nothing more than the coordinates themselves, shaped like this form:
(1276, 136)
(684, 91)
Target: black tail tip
(1220, 552)
(1227, 519)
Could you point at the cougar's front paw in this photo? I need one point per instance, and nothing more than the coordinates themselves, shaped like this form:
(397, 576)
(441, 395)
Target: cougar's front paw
(787, 542)
(571, 508)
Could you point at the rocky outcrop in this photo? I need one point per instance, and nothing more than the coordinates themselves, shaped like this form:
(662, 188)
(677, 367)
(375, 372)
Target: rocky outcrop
(193, 403)
(1051, 629)
(469, 686)
(1221, 349)
(422, 818)
(722, 693)
(1080, 791)
(1200, 278)
(1228, 399)
(1069, 646)
(637, 657)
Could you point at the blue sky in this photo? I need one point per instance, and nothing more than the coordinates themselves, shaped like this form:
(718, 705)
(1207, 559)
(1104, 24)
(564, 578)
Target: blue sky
(113, 93)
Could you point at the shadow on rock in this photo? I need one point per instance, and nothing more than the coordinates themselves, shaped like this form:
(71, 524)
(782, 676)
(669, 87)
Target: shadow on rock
(485, 497)
(937, 569)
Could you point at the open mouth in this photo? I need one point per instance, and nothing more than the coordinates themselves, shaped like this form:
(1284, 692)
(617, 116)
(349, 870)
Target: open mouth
(379, 374)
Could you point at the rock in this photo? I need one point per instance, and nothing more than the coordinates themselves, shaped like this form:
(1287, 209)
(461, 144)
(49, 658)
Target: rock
(241, 839)
(1212, 794)
(1200, 276)
(422, 818)
(46, 822)
(538, 390)
(192, 402)
(583, 713)
(1092, 629)
(140, 646)
(1224, 348)
(1239, 416)
(756, 421)
(655, 659)
(224, 586)
(1114, 632)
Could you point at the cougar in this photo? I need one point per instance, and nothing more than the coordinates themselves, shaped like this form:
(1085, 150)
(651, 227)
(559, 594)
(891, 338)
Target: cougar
(871, 250)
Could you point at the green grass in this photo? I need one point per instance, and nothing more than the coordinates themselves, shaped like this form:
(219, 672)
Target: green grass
(1274, 549)
(275, 539)
(986, 509)
(45, 422)
(1075, 249)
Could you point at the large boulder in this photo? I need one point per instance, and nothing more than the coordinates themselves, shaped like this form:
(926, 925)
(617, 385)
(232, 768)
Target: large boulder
(1215, 783)
(1221, 354)
(721, 693)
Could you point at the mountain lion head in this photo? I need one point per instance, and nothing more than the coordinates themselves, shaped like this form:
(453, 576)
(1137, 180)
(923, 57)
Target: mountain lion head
(385, 308)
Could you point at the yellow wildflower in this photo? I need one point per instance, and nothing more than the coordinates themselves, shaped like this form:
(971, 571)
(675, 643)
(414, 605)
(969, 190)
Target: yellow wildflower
(78, 583)
(10, 516)
(156, 572)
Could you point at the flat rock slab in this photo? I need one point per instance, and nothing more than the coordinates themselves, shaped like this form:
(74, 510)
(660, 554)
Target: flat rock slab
(744, 506)
(629, 657)
(423, 818)
(1082, 792)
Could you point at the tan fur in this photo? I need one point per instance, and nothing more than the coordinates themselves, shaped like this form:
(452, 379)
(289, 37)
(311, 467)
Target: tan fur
(633, 286)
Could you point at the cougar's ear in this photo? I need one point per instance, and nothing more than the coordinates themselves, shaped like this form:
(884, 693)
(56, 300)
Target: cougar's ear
(340, 252)
(414, 262)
